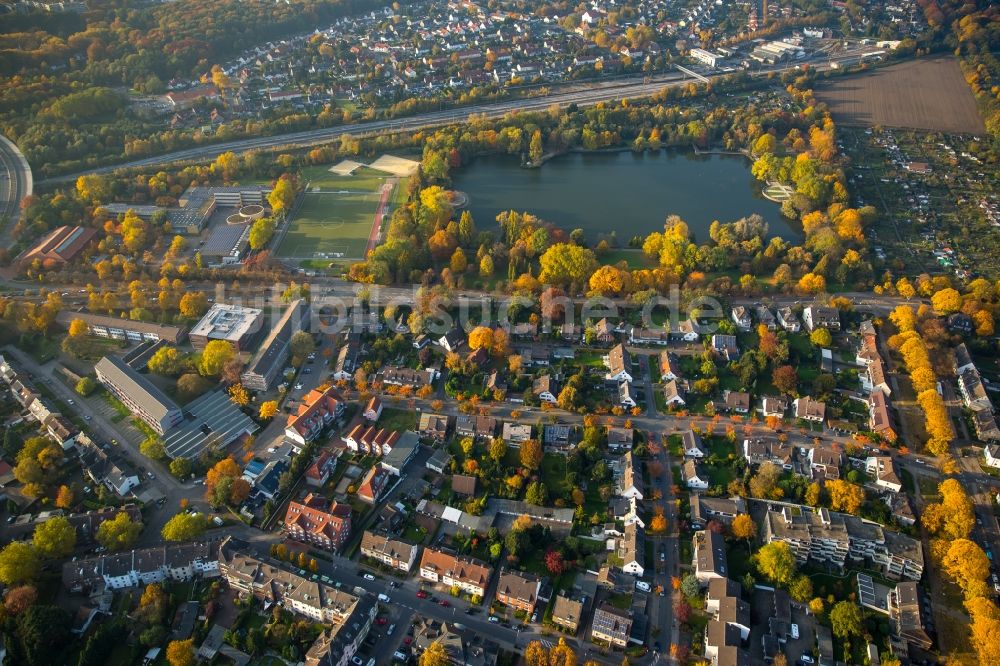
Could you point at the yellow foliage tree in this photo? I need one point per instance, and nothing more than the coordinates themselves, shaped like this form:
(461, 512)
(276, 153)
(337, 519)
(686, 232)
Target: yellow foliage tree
(811, 283)
(845, 496)
(268, 409)
(481, 337)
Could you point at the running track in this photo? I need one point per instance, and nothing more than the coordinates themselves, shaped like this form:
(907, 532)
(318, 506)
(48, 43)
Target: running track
(387, 188)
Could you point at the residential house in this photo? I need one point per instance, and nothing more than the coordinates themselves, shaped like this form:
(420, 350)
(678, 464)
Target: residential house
(789, 320)
(567, 612)
(433, 426)
(319, 471)
(632, 550)
(722, 509)
(963, 359)
(882, 470)
(741, 317)
(960, 323)
(873, 378)
(673, 395)
(766, 317)
(765, 449)
(986, 425)
(401, 454)
(557, 436)
(774, 406)
(709, 556)
(468, 574)
(515, 434)
(694, 476)
(620, 439)
(463, 485)
(686, 331)
(630, 478)
(808, 409)
(392, 552)
(611, 625)
(395, 375)
(729, 628)
(313, 520)
(347, 360)
(880, 419)
(973, 391)
(627, 395)
(670, 366)
(452, 340)
(692, 445)
(603, 332)
(476, 427)
(518, 590)
(546, 389)
(824, 462)
(725, 346)
(648, 336)
(373, 410)
(373, 484)
(907, 615)
(818, 316)
(737, 401)
(439, 461)
(619, 364)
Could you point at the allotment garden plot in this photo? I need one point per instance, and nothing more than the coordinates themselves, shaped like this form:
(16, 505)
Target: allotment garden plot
(338, 214)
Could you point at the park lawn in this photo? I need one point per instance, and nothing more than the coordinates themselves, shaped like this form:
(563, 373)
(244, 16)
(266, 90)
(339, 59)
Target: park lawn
(635, 258)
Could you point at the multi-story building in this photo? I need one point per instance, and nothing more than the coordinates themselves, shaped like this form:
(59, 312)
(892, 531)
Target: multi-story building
(350, 617)
(632, 550)
(174, 562)
(117, 328)
(139, 394)
(318, 410)
(519, 590)
(240, 326)
(619, 364)
(468, 574)
(709, 556)
(832, 538)
(567, 612)
(373, 484)
(270, 359)
(729, 628)
(818, 316)
(611, 625)
(316, 521)
(391, 552)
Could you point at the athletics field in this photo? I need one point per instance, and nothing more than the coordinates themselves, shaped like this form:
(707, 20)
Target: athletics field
(338, 214)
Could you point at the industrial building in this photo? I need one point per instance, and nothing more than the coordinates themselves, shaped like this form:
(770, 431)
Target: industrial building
(58, 247)
(209, 421)
(235, 324)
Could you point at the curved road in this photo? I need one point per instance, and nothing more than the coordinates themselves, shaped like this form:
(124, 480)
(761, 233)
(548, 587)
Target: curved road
(582, 94)
(15, 184)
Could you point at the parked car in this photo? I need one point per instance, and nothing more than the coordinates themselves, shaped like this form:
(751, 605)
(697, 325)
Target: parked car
(368, 576)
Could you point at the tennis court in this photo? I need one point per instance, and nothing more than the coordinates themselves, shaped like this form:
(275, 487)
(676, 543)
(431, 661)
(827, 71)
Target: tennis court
(335, 218)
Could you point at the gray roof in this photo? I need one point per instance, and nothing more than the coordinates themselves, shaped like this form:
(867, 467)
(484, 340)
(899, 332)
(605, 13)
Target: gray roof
(210, 420)
(163, 331)
(153, 400)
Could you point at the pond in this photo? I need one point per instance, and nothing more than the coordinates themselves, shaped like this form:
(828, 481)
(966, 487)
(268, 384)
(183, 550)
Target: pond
(629, 193)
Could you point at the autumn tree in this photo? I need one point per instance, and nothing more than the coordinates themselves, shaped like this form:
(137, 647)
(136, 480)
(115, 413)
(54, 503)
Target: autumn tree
(764, 484)
(821, 337)
(64, 498)
(743, 527)
(785, 379)
(564, 263)
(658, 524)
(214, 356)
(845, 496)
(19, 599)
(531, 454)
(967, 564)
(119, 533)
(181, 653)
(776, 562)
(194, 304)
(268, 410)
(946, 301)
(283, 194)
(184, 527)
(435, 655)
(481, 337)
(19, 563)
(54, 538)
(985, 629)
(166, 361)
(845, 620)
(952, 517)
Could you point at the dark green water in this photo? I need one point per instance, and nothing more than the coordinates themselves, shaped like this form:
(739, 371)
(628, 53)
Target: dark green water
(623, 192)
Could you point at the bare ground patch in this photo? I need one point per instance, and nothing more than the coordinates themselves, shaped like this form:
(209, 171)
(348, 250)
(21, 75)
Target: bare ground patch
(927, 94)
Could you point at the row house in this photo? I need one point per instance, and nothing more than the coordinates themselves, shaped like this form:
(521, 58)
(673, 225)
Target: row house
(433, 426)
(880, 419)
(809, 410)
(818, 316)
(476, 427)
(395, 375)
(373, 485)
(369, 440)
(764, 449)
(670, 366)
(789, 320)
(709, 556)
(648, 336)
(318, 410)
(174, 562)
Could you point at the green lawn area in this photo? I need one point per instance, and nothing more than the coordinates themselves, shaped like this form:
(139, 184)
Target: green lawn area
(337, 219)
(397, 419)
(553, 474)
(719, 475)
(634, 257)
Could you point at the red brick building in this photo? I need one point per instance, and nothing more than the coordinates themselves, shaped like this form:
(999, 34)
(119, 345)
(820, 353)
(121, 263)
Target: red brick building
(315, 521)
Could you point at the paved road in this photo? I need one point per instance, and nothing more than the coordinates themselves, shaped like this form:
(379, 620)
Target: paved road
(15, 184)
(591, 93)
